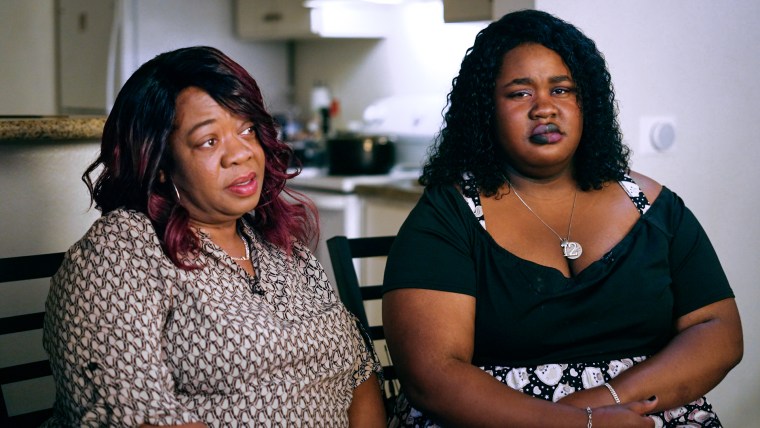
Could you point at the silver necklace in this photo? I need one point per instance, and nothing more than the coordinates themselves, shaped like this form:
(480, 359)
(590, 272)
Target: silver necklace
(571, 250)
(247, 252)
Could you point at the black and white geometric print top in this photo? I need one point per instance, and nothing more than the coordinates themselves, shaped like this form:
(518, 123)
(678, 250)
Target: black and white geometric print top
(133, 339)
(634, 192)
(471, 195)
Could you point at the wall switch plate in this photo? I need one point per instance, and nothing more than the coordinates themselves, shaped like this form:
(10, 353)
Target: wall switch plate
(657, 134)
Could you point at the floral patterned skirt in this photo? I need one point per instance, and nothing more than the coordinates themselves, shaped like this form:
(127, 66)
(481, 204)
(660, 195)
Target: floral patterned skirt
(554, 381)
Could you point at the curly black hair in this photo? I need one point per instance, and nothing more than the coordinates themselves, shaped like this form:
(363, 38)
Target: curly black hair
(467, 141)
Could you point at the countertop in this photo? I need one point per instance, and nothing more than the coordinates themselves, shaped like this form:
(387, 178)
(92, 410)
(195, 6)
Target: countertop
(52, 128)
(401, 190)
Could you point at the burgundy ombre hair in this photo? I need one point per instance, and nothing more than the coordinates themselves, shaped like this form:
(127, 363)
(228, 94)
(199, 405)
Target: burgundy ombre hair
(135, 150)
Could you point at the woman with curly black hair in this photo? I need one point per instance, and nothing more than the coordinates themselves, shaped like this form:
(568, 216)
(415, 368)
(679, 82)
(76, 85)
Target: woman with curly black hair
(539, 281)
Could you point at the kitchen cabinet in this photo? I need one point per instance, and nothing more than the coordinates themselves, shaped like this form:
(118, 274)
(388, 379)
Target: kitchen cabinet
(481, 10)
(382, 216)
(83, 27)
(297, 20)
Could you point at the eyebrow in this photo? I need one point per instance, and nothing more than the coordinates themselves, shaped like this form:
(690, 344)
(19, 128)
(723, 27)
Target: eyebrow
(199, 125)
(528, 80)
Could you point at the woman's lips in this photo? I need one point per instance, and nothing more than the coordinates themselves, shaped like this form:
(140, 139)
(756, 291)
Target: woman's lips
(245, 185)
(545, 134)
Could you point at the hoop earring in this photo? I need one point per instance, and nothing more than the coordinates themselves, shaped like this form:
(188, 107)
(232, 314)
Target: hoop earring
(176, 192)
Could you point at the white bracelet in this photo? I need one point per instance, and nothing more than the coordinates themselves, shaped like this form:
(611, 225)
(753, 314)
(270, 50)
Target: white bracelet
(612, 391)
(588, 412)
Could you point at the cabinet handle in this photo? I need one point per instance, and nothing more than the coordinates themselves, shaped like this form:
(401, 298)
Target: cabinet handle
(272, 17)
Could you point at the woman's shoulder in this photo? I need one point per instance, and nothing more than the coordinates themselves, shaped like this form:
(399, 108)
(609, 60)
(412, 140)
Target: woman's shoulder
(648, 185)
(441, 193)
(119, 247)
(121, 221)
(441, 200)
(123, 229)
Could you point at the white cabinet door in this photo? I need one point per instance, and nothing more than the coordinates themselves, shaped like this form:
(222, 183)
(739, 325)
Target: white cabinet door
(290, 19)
(272, 19)
(382, 217)
(84, 28)
(481, 10)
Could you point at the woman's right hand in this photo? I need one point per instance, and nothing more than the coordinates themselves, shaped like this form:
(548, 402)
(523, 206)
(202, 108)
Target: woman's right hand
(631, 414)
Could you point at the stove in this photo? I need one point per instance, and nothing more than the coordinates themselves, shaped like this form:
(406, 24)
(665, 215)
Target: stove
(318, 180)
(341, 210)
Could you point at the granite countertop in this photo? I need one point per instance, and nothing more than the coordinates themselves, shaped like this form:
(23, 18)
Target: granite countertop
(402, 190)
(20, 128)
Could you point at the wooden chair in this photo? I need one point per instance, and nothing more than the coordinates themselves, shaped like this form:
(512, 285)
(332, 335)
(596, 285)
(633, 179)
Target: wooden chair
(19, 269)
(343, 251)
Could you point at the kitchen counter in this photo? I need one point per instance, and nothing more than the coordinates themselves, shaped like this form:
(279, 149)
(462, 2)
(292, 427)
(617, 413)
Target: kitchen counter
(57, 128)
(402, 190)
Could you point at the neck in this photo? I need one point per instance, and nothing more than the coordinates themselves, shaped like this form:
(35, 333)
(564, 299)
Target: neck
(554, 187)
(218, 232)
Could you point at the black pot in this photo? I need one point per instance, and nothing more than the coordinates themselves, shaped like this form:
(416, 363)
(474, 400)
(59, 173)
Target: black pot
(306, 153)
(360, 154)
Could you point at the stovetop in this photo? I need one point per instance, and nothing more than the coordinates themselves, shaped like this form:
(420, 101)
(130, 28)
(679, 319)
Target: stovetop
(318, 179)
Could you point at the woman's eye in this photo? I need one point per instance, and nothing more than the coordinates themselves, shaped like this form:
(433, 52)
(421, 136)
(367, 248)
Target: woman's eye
(249, 130)
(211, 142)
(563, 91)
(518, 94)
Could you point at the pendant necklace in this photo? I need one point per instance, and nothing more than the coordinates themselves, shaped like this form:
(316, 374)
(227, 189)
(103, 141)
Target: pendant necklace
(247, 252)
(571, 250)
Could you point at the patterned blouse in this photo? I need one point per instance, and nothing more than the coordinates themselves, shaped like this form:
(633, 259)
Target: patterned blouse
(133, 339)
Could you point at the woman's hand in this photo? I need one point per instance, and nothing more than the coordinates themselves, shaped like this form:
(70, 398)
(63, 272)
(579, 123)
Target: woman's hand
(624, 415)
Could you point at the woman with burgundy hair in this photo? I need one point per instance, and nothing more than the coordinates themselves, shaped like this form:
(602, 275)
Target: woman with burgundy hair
(194, 299)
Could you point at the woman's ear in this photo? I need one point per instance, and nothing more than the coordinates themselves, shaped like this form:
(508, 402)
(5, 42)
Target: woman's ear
(161, 176)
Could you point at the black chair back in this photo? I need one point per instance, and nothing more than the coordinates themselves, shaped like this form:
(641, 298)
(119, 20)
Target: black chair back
(343, 251)
(14, 269)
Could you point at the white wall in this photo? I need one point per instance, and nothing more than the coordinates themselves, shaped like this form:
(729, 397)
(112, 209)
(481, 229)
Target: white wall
(169, 24)
(694, 60)
(27, 57)
(419, 56)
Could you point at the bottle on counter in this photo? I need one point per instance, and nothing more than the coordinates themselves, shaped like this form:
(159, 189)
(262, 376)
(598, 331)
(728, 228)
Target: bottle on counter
(319, 124)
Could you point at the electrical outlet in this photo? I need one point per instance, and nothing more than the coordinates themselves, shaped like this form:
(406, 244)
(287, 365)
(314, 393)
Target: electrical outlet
(657, 134)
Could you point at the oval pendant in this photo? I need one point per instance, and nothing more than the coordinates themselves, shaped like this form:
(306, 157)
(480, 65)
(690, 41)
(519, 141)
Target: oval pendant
(572, 250)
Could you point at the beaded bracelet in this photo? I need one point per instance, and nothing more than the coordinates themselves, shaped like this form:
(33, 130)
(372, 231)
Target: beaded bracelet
(614, 394)
(588, 412)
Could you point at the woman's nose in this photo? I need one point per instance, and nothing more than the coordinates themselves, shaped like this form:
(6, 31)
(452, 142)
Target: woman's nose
(238, 150)
(543, 107)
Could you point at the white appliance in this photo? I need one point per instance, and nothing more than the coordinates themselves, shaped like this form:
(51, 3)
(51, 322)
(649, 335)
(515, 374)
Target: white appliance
(341, 210)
